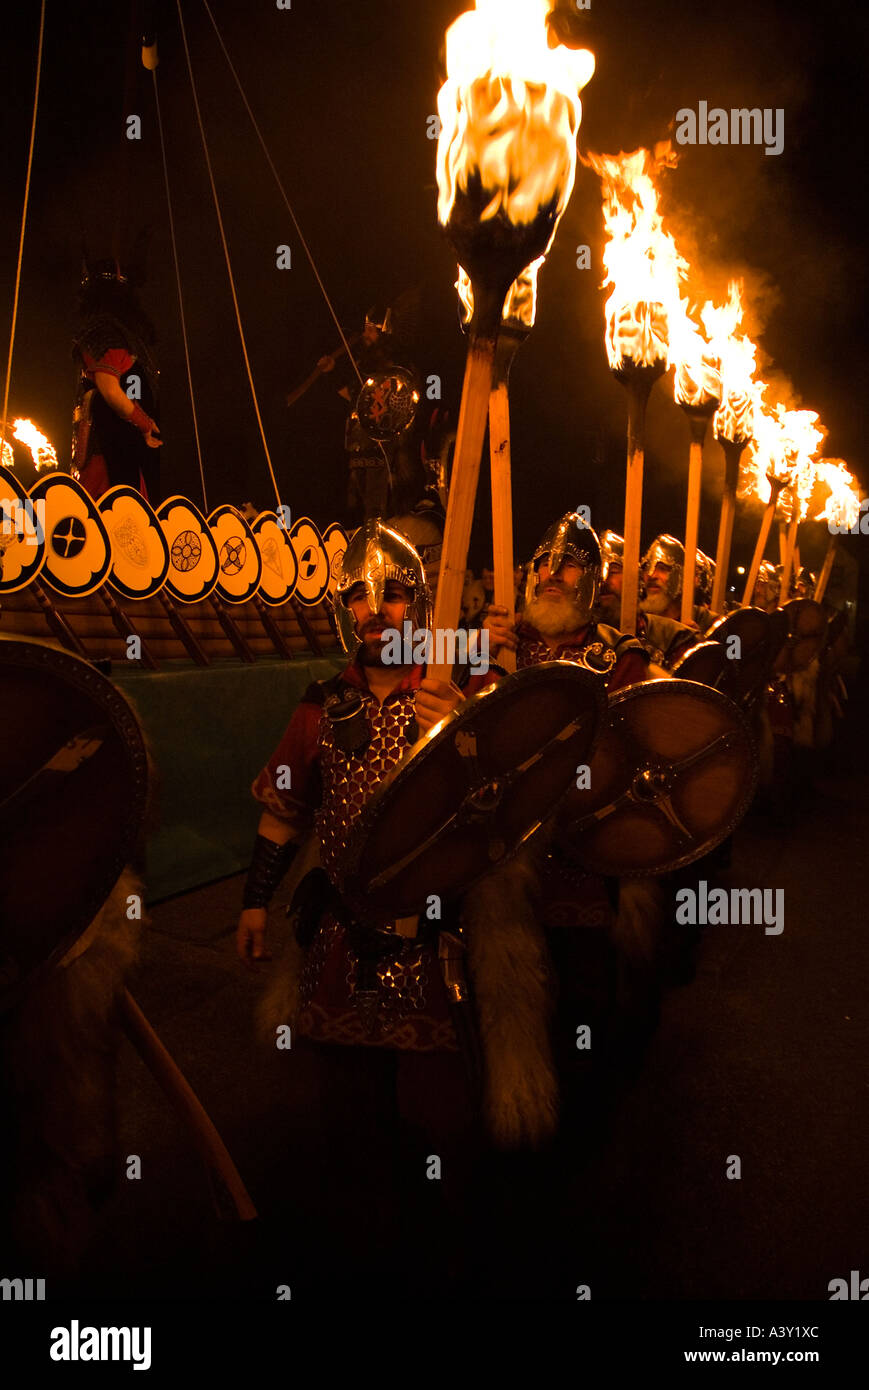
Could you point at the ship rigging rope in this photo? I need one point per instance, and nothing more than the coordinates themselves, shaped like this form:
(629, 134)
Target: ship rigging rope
(23, 224)
(180, 296)
(226, 257)
(282, 191)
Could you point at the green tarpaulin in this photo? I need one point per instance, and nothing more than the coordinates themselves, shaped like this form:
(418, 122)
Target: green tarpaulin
(209, 731)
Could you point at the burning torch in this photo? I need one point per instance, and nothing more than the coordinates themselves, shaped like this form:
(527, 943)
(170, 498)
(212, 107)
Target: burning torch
(644, 269)
(697, 389)
(509, 113)
(842, 510)
(517, 320)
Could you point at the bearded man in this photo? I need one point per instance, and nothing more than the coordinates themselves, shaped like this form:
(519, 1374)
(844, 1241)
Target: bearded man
(557, 622)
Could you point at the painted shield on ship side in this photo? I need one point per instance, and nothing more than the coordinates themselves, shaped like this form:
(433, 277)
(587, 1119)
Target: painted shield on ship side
(140, 555)
(78, 551)
(314, 575)
(22, 535)
(280, 567)
(672, 775)
(474, 790)
(73, 787)
(239, 561)
(335, 540)
(193, 565)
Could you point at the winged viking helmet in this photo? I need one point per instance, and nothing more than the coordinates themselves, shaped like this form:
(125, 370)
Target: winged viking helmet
(375, 554)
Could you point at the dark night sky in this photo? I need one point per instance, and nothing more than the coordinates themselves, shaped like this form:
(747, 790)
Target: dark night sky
(342, 92)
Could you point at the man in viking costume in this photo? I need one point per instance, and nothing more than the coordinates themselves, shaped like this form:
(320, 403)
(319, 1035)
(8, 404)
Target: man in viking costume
(380, 1006)
(558, 619)
(767, 589)
(662, 569)
(115, 435)
(596, 936)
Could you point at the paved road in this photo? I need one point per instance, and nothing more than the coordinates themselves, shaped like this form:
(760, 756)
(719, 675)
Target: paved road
(762, 1057)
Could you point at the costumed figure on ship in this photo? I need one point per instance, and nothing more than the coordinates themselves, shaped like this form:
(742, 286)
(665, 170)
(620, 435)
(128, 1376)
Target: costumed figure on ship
(115, 431)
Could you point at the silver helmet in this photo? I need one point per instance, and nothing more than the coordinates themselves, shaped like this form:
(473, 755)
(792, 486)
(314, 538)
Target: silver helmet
(767, 588)
(666, 550)
(704, 578)
(569, 539)
(375, 554)
(612, 549)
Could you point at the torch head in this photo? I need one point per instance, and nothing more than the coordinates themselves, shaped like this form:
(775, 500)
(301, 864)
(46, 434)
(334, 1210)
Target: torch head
(375, 554)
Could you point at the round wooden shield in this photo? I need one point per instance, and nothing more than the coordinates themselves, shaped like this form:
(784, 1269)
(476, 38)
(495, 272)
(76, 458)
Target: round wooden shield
(280, 566)
(704, 663)
(672, 775)
(193, 566)
(335, 541)
(807, 630)
(73, 785)
(478, 786)
(140, 555)
(22, 534)
(314, 574)
(78, 551)
(748, 640)
(239, 560)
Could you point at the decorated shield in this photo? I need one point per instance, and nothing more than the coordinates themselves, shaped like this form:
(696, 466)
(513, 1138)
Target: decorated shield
(73, 784)
(193, 564)
(807, 630)
(280, 566)
(78, 551)
(672, 775)
(22, 534)
(748, 639)
(239, 560)
(473, 791)
(386, 404)
(335, 540)
(314, 573)
(140, 555)
(704, 663)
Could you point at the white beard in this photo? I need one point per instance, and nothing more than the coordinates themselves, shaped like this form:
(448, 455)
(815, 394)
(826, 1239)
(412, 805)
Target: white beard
(555, 617)
(656, 603)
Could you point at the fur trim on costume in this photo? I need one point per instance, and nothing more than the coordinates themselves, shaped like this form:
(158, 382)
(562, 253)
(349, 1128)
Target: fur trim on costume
(58, 1050)
(280, 1001)
(513, 984)
(637, 927)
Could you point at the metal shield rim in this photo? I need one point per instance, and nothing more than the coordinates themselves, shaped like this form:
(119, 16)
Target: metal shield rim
(711, 696)
(31, 653)
(443, 731)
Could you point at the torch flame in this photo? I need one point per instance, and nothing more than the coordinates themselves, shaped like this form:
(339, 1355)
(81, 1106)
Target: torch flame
(698, 366)
(520, 306)
(640, 258)
(509, 111)
(41, 450)
(7, 458)
(738, 356)
(843, 502)
(783, 447)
